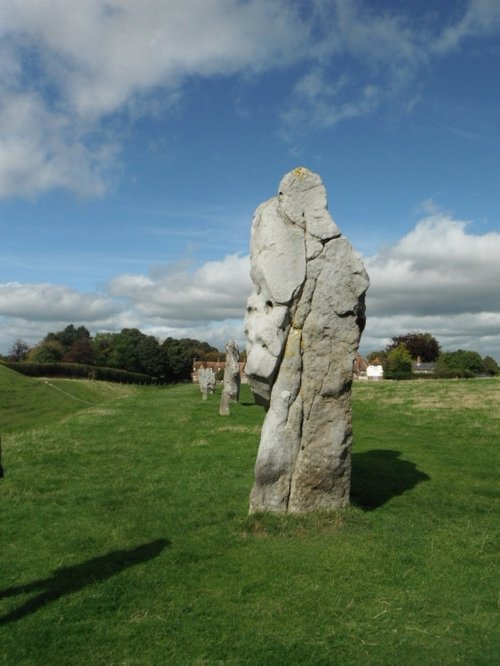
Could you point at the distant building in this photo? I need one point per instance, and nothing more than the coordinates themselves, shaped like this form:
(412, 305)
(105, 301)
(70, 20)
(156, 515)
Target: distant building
(420, 368)
(375, 371)
(359, 367)
(217, 367)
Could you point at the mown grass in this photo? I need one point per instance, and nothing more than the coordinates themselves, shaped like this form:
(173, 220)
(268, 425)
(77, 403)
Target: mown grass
(26, 402)
(125, 537)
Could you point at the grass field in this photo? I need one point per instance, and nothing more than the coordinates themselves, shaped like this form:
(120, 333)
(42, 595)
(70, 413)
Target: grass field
(125, 538)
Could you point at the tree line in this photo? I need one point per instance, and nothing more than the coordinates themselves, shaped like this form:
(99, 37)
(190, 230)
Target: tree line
(404, 351)
(129, 350)
(172, 360)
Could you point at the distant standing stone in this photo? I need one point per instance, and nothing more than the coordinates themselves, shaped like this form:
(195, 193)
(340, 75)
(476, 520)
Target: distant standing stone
(224, 409)
(232, 381)
(303, 324)
(207, 382)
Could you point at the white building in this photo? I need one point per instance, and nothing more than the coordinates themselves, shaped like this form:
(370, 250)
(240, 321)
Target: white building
(375, 370)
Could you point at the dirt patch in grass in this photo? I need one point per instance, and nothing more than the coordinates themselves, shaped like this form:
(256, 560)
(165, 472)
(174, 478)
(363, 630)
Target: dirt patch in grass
(240, 428)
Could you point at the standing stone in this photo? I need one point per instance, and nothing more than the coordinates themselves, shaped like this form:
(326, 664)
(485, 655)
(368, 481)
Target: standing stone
(207, 381)
(224, 408)
(303, 324)
(232, 381)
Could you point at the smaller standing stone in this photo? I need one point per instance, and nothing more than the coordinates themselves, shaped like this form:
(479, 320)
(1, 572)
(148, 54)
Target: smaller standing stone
(206, 379)
(232, 381)
(224, 404)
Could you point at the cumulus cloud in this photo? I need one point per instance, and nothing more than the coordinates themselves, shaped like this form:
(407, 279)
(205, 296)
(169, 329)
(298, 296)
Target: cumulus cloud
(71, 73)
(65, 69)
(438, 278)
(40, 149)
(30, 311)
(216, 291)
(49, 302)
(207, 303)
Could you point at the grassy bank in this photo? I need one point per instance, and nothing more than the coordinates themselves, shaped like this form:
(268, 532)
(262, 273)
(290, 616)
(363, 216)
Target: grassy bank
(26, 402)
(125, 539)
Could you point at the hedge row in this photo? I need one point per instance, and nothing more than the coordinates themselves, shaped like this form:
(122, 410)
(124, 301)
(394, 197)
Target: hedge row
(80, 371)
(437, 374)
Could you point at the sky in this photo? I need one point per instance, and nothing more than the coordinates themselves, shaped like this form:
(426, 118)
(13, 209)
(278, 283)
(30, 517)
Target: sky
(137, 138)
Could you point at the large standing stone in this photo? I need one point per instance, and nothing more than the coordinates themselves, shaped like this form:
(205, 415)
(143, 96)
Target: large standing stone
(303, 324)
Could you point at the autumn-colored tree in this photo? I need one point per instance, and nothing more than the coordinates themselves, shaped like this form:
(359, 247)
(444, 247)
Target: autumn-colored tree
(419, 345)
(81, 351)
(19, 351)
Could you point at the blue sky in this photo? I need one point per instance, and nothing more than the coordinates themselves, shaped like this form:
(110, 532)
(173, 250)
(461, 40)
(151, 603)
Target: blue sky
(137, 137)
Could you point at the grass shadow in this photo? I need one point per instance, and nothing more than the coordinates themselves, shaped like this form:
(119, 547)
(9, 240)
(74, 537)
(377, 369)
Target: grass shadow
(68, 580)
(379, 475)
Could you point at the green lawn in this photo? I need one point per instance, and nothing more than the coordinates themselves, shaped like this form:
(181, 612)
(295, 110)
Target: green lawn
(125, 538)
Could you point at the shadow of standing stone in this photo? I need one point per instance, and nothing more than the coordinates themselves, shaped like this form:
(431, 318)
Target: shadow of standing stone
(380, 475)
(68, 580)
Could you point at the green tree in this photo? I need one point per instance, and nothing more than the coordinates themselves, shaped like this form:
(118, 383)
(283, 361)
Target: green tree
(490, 366)
(151, 357)
(380, 355)
(124, 353)
(423, 345)
(130, 350)
(75, 342)
(180, 354)
(460, 363)
(398, 362)
(48, 351)
(102, 345)
(68, 336)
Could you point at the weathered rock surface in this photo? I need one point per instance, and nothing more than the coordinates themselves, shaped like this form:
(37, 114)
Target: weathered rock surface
(232, 381)
(303, 324)
(207, 382)
(224, 406)
(232, 371)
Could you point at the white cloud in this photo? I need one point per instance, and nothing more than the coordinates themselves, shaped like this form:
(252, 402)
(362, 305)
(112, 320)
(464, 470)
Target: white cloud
(40, 149)
(173, 301)
(316, 103)
(440, 279)
(177, 297)
(364, 57)
(66, 67)
(216, 334)
(482, 17)
(49, 302)
(30, 311)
